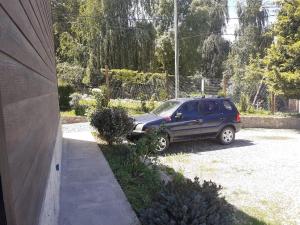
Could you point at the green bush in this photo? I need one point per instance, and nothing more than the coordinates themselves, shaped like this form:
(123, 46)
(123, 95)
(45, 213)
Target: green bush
(102, 97)
(70, 74)
(140, 152)
(244, 103)
(64, 92)
(112, 124)
(74, 103)
(186, 202)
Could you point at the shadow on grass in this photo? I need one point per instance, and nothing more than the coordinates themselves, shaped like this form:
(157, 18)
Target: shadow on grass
(142, 184)
(205, 146)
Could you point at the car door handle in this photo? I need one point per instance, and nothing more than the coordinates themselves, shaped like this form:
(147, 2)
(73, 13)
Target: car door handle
(198, 121)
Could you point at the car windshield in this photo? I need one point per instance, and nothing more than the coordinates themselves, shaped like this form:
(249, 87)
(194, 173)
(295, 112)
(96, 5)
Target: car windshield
(166, 109)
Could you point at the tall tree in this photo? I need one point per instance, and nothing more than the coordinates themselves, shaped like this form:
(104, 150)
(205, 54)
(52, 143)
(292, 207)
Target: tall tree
(201, 23)
(283, 58)
(251, 41)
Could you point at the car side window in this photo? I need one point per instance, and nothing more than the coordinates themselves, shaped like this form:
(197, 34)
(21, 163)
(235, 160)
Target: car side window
(210, 107)
(227, 105)
(189, 109)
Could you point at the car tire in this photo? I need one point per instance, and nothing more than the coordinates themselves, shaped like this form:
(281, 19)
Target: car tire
(163, 142)
(227, 136)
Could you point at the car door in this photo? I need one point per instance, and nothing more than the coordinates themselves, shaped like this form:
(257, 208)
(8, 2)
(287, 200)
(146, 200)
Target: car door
(212, 116)
(189, 122)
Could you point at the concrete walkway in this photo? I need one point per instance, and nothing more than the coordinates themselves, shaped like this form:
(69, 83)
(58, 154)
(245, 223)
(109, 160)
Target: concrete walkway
(90, 194)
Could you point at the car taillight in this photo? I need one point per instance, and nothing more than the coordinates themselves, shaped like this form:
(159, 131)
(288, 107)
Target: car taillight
(238, 118)
(167, 118)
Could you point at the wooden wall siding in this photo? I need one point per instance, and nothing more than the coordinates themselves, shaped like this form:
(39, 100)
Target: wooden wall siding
(29, 112)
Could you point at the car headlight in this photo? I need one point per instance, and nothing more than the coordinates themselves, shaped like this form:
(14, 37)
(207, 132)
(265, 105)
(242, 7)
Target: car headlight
(139, 127)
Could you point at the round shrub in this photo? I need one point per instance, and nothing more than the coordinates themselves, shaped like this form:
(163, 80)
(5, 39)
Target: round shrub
(112, 124)
(64, 92)
(186, 202)
(102, 96)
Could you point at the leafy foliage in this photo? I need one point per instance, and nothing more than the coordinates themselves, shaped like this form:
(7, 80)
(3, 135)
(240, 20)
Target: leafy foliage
(101, 96)
(75, 104)
(140, 187)
(282, 60)
(112, 124)
(70, 74)
(130, 83)
(186, 202)
(252, 38)
(64, 92)
(137, 35)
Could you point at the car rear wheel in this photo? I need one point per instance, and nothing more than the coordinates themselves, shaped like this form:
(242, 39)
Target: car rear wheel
(163, 143)
(227, 136)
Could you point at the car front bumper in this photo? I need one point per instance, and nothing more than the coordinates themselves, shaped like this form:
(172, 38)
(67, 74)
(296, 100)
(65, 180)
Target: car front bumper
(135, 135)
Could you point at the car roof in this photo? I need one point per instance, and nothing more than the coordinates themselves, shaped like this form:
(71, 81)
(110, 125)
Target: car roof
(182, 100)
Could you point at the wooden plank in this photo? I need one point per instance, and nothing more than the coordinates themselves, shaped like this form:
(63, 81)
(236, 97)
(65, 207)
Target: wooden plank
(5, 175)
(48, 17)
(14, 44)
(13, 7)
(19, 82)
(46, 14)
(37, 27)
(30, 136)
(29, 111)
(40, 18)
(51, 46)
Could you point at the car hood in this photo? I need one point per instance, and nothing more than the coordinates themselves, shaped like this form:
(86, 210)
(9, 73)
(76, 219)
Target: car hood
(146, 118)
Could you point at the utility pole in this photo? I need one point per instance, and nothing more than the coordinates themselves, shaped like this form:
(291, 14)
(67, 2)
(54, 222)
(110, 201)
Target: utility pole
(176, 50)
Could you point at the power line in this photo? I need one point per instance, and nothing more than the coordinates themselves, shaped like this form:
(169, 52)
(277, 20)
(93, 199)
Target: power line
(149, 19)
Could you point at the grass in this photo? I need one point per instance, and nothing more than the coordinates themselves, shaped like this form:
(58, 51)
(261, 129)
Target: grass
(141, 187)
(67, 113)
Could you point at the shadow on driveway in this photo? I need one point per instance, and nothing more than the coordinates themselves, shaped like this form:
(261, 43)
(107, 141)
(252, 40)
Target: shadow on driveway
(205, 146)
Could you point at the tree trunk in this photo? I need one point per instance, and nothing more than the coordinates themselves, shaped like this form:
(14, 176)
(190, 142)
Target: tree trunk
(258, 92)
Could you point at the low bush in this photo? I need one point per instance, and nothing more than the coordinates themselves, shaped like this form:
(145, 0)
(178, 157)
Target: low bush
(102, 97)
(187, 202)
(140, 187)
(141, 151)
(112, 124)
(75, 104)
(64, 92)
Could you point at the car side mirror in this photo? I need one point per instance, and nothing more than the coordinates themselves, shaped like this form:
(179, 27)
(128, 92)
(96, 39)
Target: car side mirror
(178, 115)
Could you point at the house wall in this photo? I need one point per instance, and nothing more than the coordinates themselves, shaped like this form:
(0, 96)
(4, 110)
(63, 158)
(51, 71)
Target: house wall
(29, 112)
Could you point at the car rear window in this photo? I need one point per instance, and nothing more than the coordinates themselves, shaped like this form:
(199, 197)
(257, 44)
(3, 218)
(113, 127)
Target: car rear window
(227, 105)
(208, 107)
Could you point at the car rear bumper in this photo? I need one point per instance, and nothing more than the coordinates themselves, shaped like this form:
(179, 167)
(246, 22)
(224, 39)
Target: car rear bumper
(237, 127)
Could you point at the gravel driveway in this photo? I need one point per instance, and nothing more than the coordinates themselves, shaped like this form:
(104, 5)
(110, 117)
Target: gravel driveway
(260, 172)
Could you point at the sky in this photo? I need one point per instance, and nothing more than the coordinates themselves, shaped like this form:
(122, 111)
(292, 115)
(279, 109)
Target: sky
(233, 22)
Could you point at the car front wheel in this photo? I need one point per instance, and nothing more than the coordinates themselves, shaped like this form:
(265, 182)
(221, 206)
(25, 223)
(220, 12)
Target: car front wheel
(227, 136)
(163, 143)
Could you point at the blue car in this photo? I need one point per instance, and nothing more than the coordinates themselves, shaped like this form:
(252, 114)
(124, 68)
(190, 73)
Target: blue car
(189, 119)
